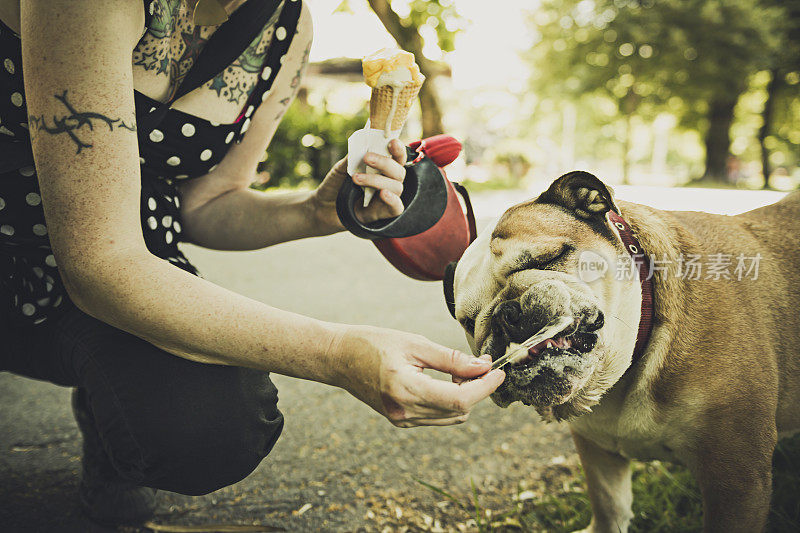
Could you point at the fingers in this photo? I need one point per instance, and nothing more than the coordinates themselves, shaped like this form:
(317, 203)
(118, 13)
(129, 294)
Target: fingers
(454, 362)
(398, 151)
(415, 422)
(417, 414)
(485, 357)
(439, 403)
(433, 398)
(393, 203)
(457, 398)
(380, 182)
(390, 206)
(386, 165)
(388, 180)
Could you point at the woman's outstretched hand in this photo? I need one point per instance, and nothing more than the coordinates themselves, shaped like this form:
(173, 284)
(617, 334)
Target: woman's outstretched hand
(389, 185)
(384, 369)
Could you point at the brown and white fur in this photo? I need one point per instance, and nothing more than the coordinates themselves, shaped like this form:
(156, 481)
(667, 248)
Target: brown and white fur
(719, 380)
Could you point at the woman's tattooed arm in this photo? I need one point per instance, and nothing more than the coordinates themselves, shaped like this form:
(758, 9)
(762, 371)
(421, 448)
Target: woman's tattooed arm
(72, 120)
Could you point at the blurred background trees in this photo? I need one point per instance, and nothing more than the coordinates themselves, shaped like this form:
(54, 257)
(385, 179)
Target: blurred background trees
(642, 91)
(691, 58)
(779, 128)
(309, 141)
(323, 135)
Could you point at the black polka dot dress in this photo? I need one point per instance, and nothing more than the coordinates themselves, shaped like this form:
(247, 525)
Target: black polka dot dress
(178, 147)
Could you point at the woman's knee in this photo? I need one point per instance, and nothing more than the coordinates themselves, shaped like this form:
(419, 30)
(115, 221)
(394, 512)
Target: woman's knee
(212, 452)
(203, 429)
(215, 435)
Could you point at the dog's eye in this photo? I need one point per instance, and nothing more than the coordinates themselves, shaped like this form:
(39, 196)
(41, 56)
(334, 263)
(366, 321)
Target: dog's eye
(469, 325)
(526, 261)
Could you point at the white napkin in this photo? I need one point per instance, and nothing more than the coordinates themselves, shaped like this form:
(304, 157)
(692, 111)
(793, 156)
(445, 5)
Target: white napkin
(363, 141)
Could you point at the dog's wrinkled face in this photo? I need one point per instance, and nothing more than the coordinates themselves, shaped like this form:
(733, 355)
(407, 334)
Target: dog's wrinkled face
(523, 273)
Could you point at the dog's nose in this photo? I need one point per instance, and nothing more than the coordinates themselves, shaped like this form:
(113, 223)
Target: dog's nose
(509, 318)
(597, 323)
(508, 313)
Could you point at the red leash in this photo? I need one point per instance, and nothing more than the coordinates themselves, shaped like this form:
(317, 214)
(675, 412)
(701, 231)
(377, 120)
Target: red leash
(642, 263)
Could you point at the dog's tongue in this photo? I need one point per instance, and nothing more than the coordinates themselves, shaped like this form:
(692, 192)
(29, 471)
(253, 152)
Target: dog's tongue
(558, 342)
(533, 350)
(547, 343)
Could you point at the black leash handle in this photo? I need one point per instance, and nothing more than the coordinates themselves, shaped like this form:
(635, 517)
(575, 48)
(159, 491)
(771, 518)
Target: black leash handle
(424, 198)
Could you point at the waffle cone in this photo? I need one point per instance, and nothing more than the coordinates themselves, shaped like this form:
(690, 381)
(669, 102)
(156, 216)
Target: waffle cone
(380, 106)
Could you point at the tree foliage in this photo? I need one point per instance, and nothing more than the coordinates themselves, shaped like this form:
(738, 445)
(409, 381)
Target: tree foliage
(693, 49)
(779, 132)
(440, 16)
(692, 58)
(407, 21)
(307, 143)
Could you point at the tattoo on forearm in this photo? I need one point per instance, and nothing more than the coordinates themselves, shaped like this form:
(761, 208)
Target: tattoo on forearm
(73, 120)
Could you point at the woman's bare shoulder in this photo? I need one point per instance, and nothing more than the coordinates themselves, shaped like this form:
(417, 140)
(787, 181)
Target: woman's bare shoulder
(10, 12)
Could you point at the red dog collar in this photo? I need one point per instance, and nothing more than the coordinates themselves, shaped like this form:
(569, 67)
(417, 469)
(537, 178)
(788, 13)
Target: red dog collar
(645, 277)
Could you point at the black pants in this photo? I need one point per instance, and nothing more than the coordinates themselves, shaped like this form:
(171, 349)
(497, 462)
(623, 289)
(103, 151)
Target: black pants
(165, 422)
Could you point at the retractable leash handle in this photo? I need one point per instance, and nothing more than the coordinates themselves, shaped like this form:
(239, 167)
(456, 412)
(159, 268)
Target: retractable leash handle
(433, 229)
(424, 200)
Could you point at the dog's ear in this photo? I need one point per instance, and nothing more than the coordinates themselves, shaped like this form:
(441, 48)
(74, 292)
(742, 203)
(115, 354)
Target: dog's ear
(582, 193)
(447, 283)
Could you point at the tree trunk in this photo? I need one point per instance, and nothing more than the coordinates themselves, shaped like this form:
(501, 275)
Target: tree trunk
(626, 150)
(431, 112)
(718, 138)
(409, 39)
(629, 105)
(766, 126)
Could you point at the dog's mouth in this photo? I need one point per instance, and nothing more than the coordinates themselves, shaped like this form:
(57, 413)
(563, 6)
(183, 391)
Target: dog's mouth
(571, 341)
(551, 371)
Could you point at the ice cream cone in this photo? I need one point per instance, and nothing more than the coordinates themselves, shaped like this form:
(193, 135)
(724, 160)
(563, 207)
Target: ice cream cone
(383, 108)
(395, 79)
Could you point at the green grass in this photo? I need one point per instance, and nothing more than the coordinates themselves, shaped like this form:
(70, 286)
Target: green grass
(665, 500)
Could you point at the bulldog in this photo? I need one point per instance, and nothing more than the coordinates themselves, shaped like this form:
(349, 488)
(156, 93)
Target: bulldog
(684, 344)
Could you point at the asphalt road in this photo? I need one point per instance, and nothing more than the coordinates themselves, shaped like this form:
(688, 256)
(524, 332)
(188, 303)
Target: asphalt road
(338, 465)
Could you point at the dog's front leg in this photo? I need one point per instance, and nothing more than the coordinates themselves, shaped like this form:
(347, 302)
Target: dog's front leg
(734, 473)
(608, 476)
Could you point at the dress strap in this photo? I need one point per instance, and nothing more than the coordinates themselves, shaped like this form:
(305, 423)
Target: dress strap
(223, 48)
(285, 31)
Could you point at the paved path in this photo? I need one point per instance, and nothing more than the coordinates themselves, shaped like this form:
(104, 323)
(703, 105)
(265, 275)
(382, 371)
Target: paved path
(338, 466)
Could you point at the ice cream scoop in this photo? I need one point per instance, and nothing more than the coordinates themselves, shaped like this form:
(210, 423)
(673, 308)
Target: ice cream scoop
(390, 62)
